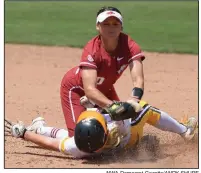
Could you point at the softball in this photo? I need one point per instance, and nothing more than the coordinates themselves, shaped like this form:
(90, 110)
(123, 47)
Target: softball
(114, 106)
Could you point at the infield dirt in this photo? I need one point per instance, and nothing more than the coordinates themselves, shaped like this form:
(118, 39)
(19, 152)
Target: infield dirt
(32, 81)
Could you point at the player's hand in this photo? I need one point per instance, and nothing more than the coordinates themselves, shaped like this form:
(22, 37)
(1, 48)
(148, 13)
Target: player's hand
(84, 101)
(15, 129)
(135, 98)
(135, 104)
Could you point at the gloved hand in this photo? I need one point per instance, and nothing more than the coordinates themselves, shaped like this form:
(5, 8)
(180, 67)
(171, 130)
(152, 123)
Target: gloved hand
(15, 129)
(121, 110)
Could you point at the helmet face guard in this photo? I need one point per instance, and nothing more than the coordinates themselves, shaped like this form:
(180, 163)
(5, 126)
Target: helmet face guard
(90, 132)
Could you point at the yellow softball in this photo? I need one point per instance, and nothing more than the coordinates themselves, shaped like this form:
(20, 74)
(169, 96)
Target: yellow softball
(114, 106)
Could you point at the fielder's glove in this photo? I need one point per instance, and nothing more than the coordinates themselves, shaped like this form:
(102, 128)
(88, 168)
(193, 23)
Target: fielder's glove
(122, 110)
(15, 129)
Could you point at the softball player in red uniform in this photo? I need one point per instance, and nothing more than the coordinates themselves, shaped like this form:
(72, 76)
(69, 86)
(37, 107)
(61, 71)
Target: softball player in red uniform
(103, 61)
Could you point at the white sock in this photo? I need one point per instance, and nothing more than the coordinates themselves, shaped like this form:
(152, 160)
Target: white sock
(53, 132)
(167, 123)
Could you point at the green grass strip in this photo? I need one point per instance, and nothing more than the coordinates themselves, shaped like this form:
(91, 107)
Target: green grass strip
(156, 26)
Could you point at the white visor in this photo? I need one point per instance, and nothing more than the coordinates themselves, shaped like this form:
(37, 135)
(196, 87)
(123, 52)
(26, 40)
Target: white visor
(104, 15)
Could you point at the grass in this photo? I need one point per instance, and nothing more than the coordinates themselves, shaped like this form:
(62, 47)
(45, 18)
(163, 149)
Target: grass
(155, 26)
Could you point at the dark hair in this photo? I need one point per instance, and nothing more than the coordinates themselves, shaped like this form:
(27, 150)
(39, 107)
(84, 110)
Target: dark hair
(105, 8)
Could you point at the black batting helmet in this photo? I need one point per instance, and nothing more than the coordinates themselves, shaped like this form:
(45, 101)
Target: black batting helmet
(90, 132)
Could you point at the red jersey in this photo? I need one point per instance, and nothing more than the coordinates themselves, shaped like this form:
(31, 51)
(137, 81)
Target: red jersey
(109, 67)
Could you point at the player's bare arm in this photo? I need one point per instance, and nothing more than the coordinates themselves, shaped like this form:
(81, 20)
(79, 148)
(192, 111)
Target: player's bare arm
(137, 75)
(89, 79)
(43, 141)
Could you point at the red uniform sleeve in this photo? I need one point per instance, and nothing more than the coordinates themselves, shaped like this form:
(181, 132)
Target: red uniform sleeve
(135, 52)
(88, 59)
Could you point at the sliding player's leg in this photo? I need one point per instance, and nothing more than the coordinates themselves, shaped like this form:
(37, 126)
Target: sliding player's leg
(162, 120)
(38, 126)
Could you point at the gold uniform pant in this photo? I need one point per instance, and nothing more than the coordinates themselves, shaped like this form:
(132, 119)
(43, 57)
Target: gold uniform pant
(149, 115)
